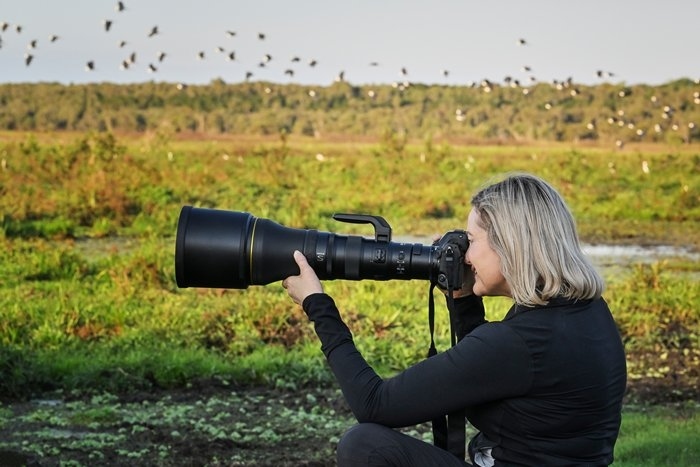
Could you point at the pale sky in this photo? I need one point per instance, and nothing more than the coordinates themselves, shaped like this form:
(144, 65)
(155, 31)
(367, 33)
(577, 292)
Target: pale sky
(639, 41)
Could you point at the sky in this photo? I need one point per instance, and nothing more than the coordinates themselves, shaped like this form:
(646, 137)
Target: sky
(452, 42)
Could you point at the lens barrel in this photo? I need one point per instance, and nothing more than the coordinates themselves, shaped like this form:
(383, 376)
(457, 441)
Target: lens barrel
(231, 249)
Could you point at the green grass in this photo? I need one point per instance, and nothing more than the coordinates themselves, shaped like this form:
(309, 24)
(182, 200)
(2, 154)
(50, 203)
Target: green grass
(89, 301)
(662, 436)
(87, 250)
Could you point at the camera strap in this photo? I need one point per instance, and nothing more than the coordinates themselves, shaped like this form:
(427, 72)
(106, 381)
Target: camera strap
(449, 431)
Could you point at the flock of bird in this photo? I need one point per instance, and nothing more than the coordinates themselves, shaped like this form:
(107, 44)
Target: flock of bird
(129, 60)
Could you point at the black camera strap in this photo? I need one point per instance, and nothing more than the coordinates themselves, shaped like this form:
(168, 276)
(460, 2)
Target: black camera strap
(449, 431)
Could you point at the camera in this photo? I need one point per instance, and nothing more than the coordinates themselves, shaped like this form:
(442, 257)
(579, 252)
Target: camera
(232, 249)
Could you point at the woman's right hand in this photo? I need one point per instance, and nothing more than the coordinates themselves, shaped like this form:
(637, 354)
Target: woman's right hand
(305, 284)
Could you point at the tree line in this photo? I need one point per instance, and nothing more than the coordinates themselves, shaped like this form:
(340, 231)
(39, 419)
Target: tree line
(558, 111)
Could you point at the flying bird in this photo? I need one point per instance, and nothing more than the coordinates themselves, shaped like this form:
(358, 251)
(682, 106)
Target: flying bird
(522, 41)
(154, 31)
(161, 56)
(119, 6)
(261, 36)
(90, 66)
(53, 38)
(107, 23)
(28, 59)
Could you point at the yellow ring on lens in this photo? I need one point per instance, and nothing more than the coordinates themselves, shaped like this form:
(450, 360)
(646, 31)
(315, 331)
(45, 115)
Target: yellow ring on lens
(252, 241)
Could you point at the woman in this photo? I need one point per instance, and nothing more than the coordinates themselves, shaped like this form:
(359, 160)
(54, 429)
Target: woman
(544, 386)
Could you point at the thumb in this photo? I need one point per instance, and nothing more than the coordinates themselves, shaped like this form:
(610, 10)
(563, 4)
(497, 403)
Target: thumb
(301, 260)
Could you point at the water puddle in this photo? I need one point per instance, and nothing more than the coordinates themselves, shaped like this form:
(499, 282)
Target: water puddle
(613, 255)
(604, 256)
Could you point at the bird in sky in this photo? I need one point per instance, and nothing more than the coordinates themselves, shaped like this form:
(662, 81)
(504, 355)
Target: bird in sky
(154, 31)
(107, 23)
(119, 6)
(90, 66)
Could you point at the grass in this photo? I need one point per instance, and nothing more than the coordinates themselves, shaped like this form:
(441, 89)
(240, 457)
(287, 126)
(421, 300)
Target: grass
(659, 436)
(86, 255)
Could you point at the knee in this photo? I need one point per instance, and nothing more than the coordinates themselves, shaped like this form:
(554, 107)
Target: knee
(358, 444)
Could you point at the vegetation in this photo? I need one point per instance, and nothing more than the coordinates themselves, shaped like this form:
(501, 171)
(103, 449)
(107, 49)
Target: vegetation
(90, 307)
(560, 111)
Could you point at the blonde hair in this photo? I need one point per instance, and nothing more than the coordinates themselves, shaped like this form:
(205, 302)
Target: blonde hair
(534, 234)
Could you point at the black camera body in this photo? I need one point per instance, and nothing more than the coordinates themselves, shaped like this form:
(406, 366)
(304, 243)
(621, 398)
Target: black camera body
(232, 249)
(451, 250)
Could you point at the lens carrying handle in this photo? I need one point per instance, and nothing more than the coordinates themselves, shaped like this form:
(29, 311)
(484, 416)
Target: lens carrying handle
(382, 229)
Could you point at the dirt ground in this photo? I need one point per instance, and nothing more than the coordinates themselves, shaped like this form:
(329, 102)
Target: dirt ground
(214, 424)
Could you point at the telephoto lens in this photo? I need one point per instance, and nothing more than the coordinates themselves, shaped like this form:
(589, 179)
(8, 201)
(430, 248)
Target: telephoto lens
(231, 249)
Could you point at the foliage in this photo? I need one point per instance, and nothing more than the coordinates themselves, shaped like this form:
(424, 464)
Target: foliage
(88, 293)
(558, 111)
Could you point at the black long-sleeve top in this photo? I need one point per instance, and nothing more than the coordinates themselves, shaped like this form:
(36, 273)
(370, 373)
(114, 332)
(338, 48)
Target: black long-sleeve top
(545, 384)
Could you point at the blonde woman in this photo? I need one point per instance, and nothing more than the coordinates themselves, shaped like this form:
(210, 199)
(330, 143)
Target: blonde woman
(543, 386)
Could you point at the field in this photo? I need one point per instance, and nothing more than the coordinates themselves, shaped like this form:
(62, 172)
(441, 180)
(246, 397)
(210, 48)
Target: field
(105, 361)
